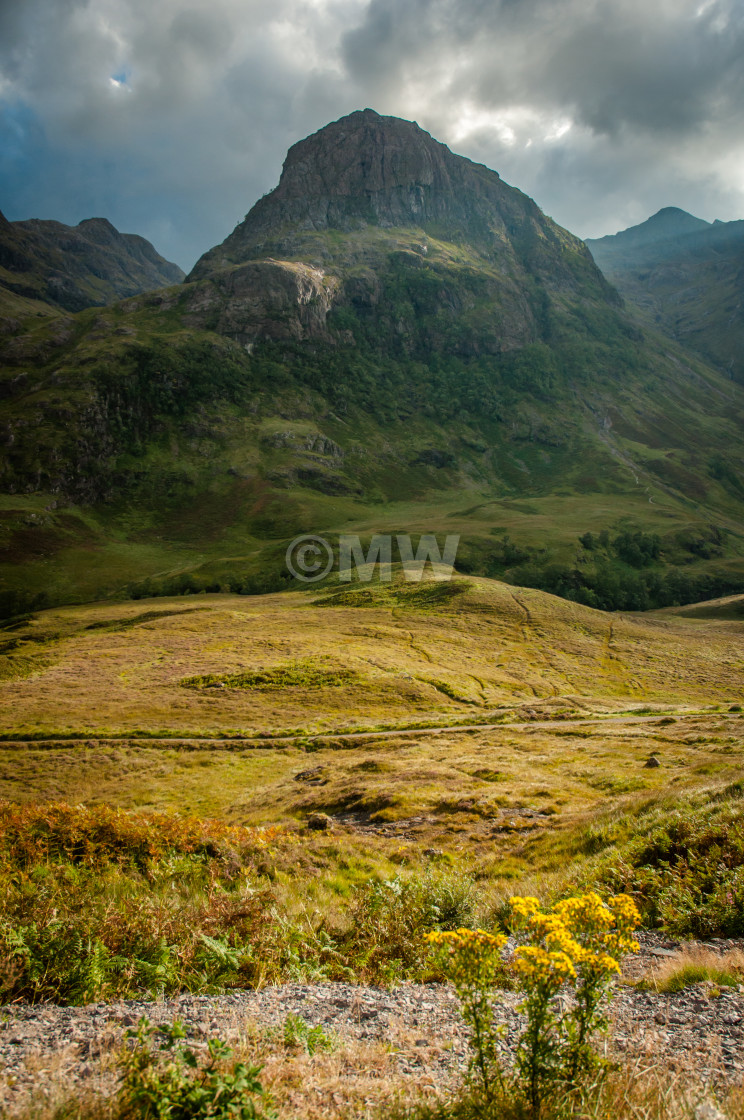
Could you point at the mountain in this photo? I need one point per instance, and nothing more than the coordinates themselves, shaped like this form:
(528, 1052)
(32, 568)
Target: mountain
(393, 340)
(371, 202)
(666, 225)
(687, 277)
(74, 267)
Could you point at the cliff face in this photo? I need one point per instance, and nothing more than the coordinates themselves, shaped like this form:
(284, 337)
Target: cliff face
(366, 171)
(73, 267)
(370, 170)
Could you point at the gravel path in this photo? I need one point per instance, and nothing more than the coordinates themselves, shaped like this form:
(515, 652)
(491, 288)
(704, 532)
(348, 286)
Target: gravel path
(696, 1029)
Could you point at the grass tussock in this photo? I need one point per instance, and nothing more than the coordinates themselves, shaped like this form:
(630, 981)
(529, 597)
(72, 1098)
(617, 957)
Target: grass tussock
(695, 965)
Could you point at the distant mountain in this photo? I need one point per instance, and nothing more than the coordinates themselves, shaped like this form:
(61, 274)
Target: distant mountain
(73, 267)
(393, 340)
(666, 225)
(686, 276)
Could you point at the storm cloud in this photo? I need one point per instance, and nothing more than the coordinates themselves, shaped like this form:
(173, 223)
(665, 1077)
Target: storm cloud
(171, 119)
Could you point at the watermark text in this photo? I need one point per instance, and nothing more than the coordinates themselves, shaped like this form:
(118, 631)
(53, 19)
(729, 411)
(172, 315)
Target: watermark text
(311, 557)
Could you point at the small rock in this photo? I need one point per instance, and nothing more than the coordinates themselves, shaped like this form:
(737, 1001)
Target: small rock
(309, 775)
(319, 822)
(652, 763)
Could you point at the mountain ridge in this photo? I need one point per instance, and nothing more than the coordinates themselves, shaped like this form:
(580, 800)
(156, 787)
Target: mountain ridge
(670, 221)
(688, 282)
(74, 267)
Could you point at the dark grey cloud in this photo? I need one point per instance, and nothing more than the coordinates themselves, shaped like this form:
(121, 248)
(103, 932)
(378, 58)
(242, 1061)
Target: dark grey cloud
(172, 118)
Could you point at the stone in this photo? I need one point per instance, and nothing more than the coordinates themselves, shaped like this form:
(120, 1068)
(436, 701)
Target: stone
(311, 775)
(319, 822)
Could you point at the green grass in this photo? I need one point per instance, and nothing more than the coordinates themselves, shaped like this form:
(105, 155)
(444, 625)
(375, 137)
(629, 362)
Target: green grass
(691, 974)
(295, 674)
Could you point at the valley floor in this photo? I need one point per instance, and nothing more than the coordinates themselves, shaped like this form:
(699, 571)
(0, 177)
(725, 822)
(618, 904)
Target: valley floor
(203, 795)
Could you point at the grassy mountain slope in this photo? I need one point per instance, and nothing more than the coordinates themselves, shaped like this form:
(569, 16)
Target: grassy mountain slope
(250, 708)
(393, 340)
(687, 277)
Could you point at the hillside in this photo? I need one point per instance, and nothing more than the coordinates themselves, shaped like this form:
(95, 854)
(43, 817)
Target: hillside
(73, 267)
(687, 277)
(308, 662)
(392, 340)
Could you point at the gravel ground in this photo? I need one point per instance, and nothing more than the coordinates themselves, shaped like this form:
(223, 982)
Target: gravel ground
(46, 1046)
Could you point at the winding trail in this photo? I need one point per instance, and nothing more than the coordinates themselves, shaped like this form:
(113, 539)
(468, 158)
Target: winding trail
(259, 742)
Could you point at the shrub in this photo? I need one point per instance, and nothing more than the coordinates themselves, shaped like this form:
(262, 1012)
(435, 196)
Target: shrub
(167, 1082)
(389, 919)
(685, 869)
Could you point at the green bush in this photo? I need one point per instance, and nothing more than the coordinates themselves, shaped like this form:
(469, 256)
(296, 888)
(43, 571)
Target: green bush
(389, 920)
(164, 1080)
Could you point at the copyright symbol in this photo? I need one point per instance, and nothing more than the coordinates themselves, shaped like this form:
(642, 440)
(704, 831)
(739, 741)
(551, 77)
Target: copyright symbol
(309, 558)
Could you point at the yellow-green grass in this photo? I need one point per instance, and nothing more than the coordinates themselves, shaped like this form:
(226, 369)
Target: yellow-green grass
(542, 715)
(442, 652)
(506, 797)
(696, 964)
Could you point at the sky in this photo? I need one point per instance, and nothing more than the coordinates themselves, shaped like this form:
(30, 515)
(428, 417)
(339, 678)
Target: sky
(172, 117)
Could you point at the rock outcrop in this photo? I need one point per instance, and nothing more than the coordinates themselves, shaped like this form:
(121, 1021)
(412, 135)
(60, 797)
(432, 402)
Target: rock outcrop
(263, 300)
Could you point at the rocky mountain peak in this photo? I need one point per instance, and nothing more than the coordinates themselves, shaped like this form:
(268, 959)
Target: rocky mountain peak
(370, 170)
(669, 222)
(365, 154)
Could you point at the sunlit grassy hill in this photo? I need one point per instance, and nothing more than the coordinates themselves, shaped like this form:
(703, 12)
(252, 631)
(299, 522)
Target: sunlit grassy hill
(367, 655)
(468, 716)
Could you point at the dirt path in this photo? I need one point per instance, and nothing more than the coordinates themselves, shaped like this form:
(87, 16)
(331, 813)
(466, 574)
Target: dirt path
(259, 742)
